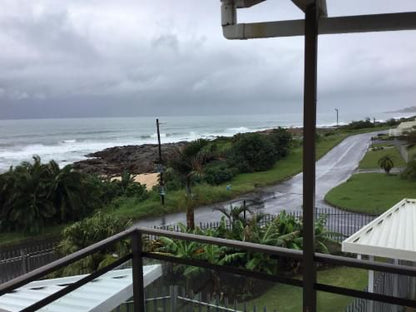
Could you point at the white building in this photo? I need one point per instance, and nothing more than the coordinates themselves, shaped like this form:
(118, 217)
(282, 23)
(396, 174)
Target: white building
(403, 127)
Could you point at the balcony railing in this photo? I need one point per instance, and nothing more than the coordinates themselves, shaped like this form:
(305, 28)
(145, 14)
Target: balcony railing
(137, 254)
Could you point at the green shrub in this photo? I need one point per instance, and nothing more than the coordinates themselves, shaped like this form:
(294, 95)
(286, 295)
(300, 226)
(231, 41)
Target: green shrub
(136, 190)
(252, 152)
(217, 174)
(410, 171)
(361, 124)
(87, 232)
(281, 139)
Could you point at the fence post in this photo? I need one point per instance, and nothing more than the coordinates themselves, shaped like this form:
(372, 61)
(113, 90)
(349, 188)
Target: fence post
(137, 271)
(173, 296)
(24, 261)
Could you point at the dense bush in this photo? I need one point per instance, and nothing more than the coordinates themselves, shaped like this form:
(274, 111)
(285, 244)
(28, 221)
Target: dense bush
(252, 152)
(392, 122)
(218, 173)
(410, 171)
(284, 231)
(281, 139)
(361, 124)
(172, 181)
(87, 232)
(35, 194)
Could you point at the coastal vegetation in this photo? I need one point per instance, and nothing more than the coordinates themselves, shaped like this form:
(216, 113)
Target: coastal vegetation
(224, 174)
(284, 231)
(86, 232)
(35, 195)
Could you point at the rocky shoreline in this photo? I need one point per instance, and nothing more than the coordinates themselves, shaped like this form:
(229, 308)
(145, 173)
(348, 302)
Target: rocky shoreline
(136, 159)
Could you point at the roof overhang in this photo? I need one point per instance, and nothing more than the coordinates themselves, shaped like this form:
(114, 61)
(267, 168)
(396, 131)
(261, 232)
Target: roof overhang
(103, 294)
(391, 235)
(326, 25)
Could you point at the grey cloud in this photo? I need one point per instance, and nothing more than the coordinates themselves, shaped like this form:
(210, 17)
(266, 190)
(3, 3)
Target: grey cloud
(166, 40)
(98, 59)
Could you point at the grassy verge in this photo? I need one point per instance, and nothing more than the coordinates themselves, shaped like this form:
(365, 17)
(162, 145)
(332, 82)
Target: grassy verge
(370, 160)
(286, 298)
(371, 193)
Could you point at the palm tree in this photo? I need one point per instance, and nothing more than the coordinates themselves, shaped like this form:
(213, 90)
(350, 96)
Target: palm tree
(65, 191)
(386, 163)
(30, 203)
(188, 163)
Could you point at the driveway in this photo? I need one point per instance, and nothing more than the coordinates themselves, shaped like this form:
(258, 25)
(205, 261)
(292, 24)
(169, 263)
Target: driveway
(332, 169)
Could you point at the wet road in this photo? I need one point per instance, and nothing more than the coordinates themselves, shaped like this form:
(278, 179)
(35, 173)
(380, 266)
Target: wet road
(332, 169)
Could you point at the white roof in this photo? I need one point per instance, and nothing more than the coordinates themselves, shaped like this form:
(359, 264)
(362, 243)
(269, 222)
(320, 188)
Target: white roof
(391, 235)
(407, 124)
(102, 294)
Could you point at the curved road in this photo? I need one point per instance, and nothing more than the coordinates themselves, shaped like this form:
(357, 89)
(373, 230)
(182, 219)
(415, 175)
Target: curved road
(332, 169)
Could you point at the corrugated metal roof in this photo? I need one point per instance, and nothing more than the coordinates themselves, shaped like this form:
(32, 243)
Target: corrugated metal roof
(391, 235)
(102, 294)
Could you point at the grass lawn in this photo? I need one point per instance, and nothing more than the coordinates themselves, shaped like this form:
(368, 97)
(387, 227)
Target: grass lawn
(286, 298)
(371, 193)
(370, 160)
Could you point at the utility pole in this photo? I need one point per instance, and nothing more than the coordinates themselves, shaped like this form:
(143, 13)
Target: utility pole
(160, 170)
(336, 109)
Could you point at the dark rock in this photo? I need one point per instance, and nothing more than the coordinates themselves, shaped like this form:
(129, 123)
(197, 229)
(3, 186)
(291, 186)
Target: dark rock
(136, 159)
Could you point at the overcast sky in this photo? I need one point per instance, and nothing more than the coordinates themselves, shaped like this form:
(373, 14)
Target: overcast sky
(162, 57)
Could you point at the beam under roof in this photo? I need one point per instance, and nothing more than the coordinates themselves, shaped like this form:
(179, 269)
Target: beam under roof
(327, 25)
(302, 4)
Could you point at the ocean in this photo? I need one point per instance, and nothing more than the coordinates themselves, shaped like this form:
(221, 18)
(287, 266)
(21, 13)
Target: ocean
(69, 140)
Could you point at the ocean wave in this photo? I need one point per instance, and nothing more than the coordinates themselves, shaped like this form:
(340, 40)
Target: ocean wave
(238, 130)
(162, 135)
(69, 141)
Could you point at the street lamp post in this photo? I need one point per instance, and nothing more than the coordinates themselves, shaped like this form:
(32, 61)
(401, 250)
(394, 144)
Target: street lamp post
(336, 109)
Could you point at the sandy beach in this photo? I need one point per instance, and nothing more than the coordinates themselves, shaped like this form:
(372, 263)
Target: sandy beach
(148, 179)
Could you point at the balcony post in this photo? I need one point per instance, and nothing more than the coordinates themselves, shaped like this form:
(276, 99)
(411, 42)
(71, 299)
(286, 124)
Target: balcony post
(309, 131)
(137, 271)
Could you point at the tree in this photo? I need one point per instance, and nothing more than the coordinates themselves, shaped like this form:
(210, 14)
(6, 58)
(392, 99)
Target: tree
(66, 192)
(35, 194)
(188, 163)
(386, 163)
(281, 139)
(30, 203)
(253, 152)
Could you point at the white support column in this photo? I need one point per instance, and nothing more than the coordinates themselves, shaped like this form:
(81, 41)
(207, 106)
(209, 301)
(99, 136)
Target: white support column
(395, 286)
(371, 285)
(413, 285)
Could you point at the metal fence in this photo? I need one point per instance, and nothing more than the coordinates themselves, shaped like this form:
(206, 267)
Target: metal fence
(23, 258)
(386, 284)
(137, 255)
(176, 299)
(20, 259)
(338, 222)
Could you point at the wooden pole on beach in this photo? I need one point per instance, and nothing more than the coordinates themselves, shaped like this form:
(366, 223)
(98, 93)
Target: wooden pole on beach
(161, 182)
